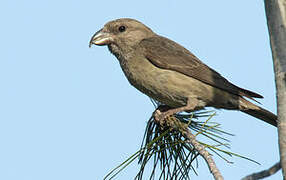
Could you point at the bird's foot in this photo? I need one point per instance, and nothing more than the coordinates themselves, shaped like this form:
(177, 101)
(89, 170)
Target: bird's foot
(159, 116)
(161, 113)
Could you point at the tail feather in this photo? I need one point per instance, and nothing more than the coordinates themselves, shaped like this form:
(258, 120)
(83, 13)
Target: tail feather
(258, 112)
(262, 114)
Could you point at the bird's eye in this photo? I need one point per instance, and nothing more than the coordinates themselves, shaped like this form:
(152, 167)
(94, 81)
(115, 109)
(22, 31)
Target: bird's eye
(122, 28)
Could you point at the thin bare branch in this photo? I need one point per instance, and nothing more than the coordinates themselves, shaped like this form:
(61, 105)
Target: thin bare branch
(263, 174)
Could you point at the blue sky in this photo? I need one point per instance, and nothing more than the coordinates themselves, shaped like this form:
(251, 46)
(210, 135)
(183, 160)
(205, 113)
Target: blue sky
(68, 112)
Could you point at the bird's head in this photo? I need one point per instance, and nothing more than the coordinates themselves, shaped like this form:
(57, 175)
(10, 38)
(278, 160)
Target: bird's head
(123, 32)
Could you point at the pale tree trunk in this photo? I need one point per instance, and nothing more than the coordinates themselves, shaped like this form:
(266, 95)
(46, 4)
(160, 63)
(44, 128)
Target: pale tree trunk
(276, 21)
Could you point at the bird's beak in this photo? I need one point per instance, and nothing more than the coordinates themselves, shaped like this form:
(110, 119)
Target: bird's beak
(100, 38)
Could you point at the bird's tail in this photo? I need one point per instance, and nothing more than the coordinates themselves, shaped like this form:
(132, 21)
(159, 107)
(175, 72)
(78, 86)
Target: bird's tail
(258, 112)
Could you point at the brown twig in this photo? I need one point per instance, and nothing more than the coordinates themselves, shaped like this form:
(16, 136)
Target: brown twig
(204, 153)
(263, 174)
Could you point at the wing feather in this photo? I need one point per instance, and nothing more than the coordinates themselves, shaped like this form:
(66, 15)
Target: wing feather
(167, 54)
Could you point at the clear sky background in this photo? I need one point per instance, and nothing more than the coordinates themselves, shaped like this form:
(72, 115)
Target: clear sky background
(68, 112)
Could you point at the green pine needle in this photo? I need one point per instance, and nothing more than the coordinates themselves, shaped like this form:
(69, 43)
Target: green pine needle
(165, 147)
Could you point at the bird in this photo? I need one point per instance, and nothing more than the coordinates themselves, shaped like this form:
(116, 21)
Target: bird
(170, 74)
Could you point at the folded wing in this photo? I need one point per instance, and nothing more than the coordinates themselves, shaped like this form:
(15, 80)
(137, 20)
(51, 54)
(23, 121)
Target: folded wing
(167, 54)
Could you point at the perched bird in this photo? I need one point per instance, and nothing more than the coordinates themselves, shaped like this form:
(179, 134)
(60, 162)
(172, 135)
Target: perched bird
(172, 75)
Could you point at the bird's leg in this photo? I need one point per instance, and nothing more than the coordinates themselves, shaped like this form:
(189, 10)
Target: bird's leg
(163, 112)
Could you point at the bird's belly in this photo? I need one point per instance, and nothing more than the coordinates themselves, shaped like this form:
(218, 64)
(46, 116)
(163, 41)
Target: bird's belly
(166, 86)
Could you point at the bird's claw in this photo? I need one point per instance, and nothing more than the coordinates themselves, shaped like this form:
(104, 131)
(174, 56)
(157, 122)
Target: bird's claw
(159, 116)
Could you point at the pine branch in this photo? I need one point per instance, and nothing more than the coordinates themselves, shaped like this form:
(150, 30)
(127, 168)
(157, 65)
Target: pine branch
(174, 123)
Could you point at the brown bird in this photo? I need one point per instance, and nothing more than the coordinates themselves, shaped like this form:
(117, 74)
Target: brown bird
(172, 75)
